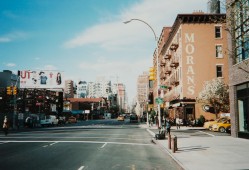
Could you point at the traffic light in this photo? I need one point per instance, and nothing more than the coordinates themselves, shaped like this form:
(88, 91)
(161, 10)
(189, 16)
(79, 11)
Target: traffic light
(9, 90)
(15, 90)
(152, 73)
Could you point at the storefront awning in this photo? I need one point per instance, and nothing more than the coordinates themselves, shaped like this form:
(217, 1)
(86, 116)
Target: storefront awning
(75, 112)
(176, 105)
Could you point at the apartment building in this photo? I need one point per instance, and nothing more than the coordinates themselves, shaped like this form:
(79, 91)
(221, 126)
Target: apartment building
(143, 89)
(238, 18)
(121, 96)
(192, 54)
(8, 78)
(69, 89)
(90, 90)
(81, 89)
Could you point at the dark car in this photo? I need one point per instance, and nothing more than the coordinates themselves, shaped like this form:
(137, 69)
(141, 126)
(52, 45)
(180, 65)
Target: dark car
(62, 120)
(134, 118)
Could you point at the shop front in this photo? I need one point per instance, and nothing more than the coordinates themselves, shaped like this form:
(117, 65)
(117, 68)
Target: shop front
(242, 92)
(183, 109)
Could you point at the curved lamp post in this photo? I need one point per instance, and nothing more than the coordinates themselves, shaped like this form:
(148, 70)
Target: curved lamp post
(157, 64)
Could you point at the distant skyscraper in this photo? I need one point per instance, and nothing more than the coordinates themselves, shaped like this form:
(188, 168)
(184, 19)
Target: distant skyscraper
(214, 6)
(90, 90)
(82, 89)
(69, 89)
(142, 89)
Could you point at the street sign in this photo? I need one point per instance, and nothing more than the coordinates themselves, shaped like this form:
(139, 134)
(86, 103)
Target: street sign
(159, 100)
(163, 87)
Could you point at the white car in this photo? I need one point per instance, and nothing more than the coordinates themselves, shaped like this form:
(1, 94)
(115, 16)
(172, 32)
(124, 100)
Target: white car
(49, 120)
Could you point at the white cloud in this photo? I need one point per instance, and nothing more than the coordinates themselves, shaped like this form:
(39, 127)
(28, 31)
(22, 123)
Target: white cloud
(4, 39)
(13, 36)
(47, 67)
(157, 14)
(10, 64)
(50, 67)
(134, 41)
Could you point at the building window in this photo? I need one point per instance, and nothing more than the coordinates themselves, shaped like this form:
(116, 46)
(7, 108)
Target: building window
(219, 70)
(217, 31)
(241, 30)
(219, 53)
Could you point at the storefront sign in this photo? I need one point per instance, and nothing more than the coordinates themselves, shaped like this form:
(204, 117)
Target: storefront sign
(190, 49)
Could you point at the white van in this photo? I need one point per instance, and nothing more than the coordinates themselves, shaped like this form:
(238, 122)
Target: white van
(49, 120)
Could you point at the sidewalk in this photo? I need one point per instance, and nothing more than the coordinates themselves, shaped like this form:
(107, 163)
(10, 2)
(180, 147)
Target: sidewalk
(205, 151)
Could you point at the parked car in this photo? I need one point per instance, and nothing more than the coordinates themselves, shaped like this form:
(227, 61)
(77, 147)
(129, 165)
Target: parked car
(208, 125)
(62, 120)
(121, 118)
(49, 120)
(108, 115)
(72, 119)
(221, 126)
(133, 118)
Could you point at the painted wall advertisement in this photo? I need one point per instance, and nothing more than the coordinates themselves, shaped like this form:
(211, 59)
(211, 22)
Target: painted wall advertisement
(41, 79)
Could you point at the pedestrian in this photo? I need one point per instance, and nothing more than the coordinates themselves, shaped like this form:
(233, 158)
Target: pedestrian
(178, 123)
(151, 121)
(168, 126)
(157, 121)
(5, 125)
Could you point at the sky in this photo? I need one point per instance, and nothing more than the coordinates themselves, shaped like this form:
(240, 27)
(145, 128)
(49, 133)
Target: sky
(86, 39)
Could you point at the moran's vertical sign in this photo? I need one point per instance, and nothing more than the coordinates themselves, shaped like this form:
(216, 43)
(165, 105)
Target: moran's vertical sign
(190, 50)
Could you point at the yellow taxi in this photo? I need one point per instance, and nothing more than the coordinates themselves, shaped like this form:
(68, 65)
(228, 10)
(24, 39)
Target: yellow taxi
(209, 124)
(120, 118)
(221, 126)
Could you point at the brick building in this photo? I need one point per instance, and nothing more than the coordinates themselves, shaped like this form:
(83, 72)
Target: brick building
(238, 17)
(192, 54)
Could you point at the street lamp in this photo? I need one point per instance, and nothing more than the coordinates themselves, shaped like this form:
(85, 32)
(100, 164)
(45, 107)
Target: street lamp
(157, 64)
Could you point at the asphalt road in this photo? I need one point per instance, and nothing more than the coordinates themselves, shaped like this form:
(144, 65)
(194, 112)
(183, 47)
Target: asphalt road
(92, 145)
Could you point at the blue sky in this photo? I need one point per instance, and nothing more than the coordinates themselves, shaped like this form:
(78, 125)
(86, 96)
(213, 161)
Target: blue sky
(86, 38)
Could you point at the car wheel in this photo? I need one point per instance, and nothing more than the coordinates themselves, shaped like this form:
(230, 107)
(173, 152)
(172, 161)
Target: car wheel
(222, 129)
(210, 128)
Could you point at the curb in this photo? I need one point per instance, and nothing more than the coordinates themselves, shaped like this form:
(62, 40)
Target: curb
(166, 149)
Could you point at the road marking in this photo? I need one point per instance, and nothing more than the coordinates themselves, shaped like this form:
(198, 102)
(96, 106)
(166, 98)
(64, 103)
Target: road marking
(82, 167)
(207, 133)
(53, 137)
(93, 142)
(103, 145)
(3, 143)
(52, 143)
